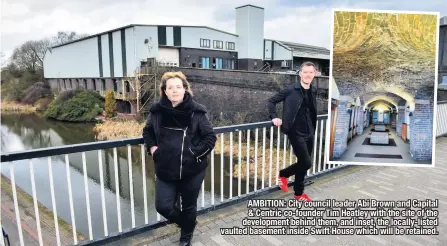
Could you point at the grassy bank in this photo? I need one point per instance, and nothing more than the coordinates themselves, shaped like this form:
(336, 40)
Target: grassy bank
(14, 107)
(252, 157)
(26, 205)
(117, 129)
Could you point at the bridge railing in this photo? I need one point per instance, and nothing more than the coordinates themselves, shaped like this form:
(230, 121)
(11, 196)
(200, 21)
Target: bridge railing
(245, 162)
(261, 145)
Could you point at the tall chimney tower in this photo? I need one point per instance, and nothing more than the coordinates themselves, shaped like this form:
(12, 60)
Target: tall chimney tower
(250, 31)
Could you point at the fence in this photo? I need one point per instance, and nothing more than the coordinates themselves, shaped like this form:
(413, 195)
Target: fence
(237, 169)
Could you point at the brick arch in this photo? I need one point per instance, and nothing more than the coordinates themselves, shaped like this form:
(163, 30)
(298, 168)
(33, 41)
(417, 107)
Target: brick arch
(372, 51)
(382, 102)
(382, 98)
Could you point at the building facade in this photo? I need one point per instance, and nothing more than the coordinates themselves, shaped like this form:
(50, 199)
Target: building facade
(119, 53)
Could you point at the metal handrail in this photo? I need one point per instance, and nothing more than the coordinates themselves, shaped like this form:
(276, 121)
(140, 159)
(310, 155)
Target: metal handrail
(83, 147)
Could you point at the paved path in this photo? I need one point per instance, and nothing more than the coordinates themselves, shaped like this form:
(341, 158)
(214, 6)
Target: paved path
(10, 226)
(402, 148)
(356, 182)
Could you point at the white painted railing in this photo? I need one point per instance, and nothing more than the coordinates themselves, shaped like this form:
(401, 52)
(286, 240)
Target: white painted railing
(270, 153)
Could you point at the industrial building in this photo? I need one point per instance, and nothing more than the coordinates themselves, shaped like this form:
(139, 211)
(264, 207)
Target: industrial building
(119, 53)
(113, 59)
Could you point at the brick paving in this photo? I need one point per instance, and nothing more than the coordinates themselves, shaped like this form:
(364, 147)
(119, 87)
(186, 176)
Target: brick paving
(355, 182)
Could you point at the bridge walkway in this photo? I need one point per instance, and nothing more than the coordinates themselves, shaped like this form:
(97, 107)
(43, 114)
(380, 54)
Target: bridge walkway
(353, 182)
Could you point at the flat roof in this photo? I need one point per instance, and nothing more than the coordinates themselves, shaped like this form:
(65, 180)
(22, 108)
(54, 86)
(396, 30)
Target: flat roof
(306, 46)
(133, 25)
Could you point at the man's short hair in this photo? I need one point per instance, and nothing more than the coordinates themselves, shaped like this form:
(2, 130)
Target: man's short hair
(308, 63)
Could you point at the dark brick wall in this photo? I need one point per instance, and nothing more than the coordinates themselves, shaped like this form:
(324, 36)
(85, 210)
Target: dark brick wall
(228, 94)
(227, 102)
(189, 56)
(421, 132)
(250, 64)
(341, 130)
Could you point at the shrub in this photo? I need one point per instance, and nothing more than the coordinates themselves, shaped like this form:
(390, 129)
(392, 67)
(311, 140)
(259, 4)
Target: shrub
(77, 105)
(35, 92)
(110, 104)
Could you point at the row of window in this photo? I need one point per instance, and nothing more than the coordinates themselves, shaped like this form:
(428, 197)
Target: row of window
(217, 44)
(68, 84)
(216, 63)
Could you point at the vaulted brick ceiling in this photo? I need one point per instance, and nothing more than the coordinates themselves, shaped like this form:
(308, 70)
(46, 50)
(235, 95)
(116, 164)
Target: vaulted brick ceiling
(381, 102)
(381, 95)
(374, 51)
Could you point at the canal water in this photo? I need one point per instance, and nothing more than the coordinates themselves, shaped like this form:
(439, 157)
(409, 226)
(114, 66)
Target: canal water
(32, 131)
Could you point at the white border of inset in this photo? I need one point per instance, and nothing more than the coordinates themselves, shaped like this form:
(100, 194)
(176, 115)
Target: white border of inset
(328, 122)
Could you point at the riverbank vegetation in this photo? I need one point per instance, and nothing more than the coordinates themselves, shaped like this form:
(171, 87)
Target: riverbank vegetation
(117, 129)
(14, 107)
(22, 80)
(77, 105)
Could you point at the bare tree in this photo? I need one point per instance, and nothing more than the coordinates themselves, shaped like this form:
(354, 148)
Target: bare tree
(65, 37)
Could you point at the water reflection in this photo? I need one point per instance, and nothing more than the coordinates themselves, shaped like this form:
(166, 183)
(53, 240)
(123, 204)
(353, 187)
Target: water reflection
(23, 132)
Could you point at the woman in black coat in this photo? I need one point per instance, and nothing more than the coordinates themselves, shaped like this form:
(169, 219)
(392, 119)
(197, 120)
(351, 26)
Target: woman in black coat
(179, 136)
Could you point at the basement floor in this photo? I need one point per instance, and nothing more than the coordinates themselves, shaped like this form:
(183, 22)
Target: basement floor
(359, 150)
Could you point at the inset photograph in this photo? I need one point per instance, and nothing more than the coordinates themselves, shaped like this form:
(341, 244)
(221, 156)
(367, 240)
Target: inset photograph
(383, 88)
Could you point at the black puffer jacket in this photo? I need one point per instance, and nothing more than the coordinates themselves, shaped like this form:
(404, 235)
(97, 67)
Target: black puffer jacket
(181, 152)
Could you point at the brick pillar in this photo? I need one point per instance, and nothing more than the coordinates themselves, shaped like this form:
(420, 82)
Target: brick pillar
(360, 121)
(341, 130)
(367, 117)
(421, 130)
(133, 106)
(400, 120)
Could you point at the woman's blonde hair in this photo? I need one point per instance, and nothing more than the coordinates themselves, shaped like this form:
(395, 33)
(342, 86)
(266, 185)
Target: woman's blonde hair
(170, 75)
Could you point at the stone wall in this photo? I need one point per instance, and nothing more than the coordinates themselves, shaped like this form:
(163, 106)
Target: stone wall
(240, 94)
(421, 134)
(230, 96)
(341, 130)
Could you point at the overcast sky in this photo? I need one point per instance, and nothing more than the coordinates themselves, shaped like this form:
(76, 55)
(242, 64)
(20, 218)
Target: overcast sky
(306, 22)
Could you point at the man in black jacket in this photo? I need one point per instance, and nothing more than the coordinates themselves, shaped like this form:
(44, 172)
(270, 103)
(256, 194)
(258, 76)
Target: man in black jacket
(300, 117)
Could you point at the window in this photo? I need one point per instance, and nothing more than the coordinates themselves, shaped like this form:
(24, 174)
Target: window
(444, 80)
(285, 64)
(204, 62)
(205, 43)
(219, 62)
(218, 44)
(230, 46)
(227, 64)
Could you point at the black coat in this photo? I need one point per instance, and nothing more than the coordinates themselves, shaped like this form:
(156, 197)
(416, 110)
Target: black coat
(181, 152)
(292, 98)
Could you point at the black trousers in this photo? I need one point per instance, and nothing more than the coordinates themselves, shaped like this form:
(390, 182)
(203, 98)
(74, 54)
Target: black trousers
(302, 147)
(166, 194)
